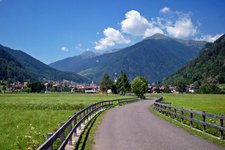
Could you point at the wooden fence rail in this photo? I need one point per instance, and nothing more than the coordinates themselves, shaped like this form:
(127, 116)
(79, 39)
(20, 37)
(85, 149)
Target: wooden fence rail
(192, 116)
(70, 127)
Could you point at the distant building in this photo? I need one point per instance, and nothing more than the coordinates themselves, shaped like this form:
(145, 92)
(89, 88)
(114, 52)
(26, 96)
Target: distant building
(90, 91)
(81, 88)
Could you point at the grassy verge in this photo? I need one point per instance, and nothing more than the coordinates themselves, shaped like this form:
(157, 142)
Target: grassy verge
(27, 118)
(210, 103)
(86, 140)
(192, 131)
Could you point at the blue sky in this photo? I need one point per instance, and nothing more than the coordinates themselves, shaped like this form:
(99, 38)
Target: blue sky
(50, 30)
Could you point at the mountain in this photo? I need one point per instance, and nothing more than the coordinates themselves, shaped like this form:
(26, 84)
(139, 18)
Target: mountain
(111, 51)
(88, 54)
(41, 70)
(158, 36)
(11, 69)
(154, 58)
(71, 63)
(209, 64)
(191, 43)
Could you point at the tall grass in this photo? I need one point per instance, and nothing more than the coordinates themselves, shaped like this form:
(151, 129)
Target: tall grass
(27, 118)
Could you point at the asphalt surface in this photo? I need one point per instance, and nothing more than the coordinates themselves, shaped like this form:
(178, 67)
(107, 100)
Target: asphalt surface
(134, 127)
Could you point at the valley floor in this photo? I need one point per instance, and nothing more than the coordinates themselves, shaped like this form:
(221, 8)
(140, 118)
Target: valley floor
(27, 118)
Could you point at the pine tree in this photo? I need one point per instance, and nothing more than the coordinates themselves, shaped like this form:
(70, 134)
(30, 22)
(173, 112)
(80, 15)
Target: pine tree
(106, 83)
(123, 84)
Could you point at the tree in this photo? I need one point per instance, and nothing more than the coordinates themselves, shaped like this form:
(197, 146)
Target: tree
(139, 86)
(106, 83)
(27, 90)
(210, 86)
(180, 84)
(4, 88)
(37, 87)
(123, 84)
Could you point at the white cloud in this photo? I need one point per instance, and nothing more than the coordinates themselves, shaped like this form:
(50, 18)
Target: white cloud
(176, 24)
(209, 38)
(182, 28)
(152, 31)
(137, 25)
(134, 23)
(64, 49)
(112, 37)
(165, 10)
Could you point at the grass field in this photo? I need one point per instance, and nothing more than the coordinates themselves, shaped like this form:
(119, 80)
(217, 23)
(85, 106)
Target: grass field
(27, 118)
(210, 103)
(214, 104)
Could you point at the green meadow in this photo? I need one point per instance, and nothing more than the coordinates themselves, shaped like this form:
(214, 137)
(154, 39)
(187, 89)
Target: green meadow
(210, 103)
(27, 118)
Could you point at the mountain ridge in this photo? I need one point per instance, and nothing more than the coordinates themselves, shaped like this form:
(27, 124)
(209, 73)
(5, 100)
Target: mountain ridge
(41, 70)
(208, 64)
(134, 59)
(11, 69)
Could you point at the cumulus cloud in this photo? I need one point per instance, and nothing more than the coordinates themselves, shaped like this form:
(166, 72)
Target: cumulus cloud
(112, 37)
(182, 28)
(64, 49)
(134, 23)
(176, 24)
(152, 31)
(209, 38)
(165, 10)
(137, 25)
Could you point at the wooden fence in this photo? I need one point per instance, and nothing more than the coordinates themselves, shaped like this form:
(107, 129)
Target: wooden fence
(67, 130)
(196, 119)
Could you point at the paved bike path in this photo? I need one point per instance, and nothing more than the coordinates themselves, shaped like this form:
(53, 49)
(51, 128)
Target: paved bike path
(134, 127)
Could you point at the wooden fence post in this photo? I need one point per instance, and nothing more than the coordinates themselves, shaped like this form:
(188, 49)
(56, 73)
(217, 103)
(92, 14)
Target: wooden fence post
(191, 117)
(221, 131)
(88, 117)
(182, 114)
(79, 120)
(69, 129)
(170, 112)
(175, 111)
(62, 136)
(75, 122)
(48, 136)
(161, 108)
(84, 118)
(84, 121)
(166, 113)
(203, 119)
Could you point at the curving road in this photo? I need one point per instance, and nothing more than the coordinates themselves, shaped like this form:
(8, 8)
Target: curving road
(134, 127)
